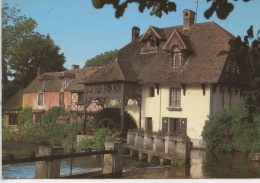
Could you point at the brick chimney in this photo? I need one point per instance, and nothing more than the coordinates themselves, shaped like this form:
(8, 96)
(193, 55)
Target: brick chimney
(74, 66)
(188, 18)
(40, 71)
(135, 33)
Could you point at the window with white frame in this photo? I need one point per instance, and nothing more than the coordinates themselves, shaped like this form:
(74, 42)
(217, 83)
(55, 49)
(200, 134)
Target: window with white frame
(176, 60)
(175, 97)
(40, 99)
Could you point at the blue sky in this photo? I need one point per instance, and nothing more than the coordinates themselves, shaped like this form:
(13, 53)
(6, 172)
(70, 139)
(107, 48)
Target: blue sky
(82, 31)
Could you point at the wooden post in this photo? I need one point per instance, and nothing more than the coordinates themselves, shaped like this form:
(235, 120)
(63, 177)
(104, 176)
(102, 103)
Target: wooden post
(113, 163)
(122, 112)
(48, 169)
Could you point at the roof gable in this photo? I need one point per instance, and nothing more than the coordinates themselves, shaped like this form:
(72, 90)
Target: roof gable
(152, 31)
(203, 65)
(178, 39)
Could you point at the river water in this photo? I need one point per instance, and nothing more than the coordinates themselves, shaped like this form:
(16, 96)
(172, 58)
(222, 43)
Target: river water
(219, 165)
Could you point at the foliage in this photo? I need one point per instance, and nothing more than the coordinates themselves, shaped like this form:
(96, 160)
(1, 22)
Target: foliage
(70, 141)
(56, 134)
(48, 132)
(98, 140)
(230, 130)
(181, 163)
(222, 7)
(25, 117)
(31, 53)
(23, 50)
(51, 115)
(101, 59)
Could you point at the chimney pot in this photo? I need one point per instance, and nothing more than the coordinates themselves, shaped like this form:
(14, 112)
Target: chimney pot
(135, 33)
(40, 71)
(74, 66)
(188, 18)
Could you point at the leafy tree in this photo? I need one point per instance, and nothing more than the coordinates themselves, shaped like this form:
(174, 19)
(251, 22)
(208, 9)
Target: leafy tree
(31, 53)
(101, 59)
(14, 29)
(158, 7)
(23, 50)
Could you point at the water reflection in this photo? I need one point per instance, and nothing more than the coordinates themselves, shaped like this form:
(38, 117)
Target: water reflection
(229, 165)
(203, 165)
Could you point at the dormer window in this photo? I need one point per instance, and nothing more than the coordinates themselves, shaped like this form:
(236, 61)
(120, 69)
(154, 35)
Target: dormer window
(65, 82)
(176, 60)
(151, 42)
(44, 84)
(150, 45)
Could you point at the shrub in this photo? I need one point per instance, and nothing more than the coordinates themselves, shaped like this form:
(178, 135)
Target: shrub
(48, 132)
(230, 130)
(51, 115)
(26, 116)
(98, 140)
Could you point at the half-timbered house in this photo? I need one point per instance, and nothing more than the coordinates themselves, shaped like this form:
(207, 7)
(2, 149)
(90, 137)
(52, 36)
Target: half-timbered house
(51, 89)
(175, 76)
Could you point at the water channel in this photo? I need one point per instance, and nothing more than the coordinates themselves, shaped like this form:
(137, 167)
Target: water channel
(219, 165)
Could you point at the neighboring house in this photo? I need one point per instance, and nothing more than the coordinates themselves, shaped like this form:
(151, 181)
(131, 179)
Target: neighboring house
(174, 75)
(12, 109)
(57, 89)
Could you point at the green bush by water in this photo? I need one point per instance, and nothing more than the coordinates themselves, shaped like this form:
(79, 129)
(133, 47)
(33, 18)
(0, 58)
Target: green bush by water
(233, 129)
(48, 132)
(98, 140)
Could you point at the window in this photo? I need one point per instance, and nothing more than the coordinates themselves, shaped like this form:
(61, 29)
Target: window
(175, 125)
(44, 84)
(40, 99)
(66, 82)
(151, 92)
(13, 119)
(175, 97)
(61, 98)
(151, 42)
(149, 124)
(176, 60)
(38, 118)
(80, 97)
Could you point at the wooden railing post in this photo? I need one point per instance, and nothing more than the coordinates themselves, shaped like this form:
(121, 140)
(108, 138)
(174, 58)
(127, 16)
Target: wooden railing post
(113, 163)
(48, 169)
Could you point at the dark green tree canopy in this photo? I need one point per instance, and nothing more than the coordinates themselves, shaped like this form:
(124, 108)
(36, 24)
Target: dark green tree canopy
(23, 50)
(101, 59)
(158, 7)
(34, 52)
